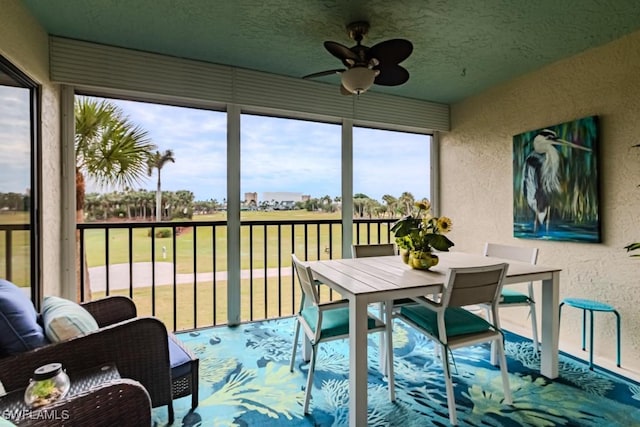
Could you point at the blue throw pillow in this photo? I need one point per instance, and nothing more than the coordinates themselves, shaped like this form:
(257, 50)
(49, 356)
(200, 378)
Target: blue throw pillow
(18, 321)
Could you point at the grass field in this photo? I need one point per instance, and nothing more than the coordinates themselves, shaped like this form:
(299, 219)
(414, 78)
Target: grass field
(279, 301)
(195, 304)
(204, 244)
(264, 298)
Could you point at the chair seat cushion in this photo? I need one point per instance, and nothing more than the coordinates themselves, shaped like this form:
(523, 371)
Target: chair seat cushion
(179, 360)
(18, 321)
(64, 319)
(509, 296)
(458, 321)
(588, 304)
(335, 322)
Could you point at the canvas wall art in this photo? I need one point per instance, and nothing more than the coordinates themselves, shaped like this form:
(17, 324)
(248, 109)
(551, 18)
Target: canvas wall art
(555, 182)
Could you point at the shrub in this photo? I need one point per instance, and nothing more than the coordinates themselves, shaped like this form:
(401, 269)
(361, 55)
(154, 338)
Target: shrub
(161, 233)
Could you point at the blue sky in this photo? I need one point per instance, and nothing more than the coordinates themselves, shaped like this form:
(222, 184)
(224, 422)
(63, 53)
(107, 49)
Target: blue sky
(277, 155)
(15, 150)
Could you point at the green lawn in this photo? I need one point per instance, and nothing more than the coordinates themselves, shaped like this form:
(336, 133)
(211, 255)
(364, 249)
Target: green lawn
(205, 246)
(269, 300)
(279, 303)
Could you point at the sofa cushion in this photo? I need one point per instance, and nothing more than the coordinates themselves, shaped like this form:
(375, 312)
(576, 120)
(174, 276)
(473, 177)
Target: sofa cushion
(179, 360)
(64, 319)
(6, 423)
(18, 321)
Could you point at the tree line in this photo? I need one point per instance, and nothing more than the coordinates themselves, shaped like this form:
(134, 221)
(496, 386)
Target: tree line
(139, 205)
(15, 202)
(364, 206)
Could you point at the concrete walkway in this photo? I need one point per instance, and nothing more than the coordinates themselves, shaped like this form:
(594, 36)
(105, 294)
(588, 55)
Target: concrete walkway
(119, 275)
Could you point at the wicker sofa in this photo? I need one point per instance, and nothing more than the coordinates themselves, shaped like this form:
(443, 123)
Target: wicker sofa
(138, 346)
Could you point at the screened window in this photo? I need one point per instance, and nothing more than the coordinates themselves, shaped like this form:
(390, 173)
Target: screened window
(391, 170)
(18, 252)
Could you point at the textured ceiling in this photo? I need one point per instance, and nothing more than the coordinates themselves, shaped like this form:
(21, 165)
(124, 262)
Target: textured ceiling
(461, 47)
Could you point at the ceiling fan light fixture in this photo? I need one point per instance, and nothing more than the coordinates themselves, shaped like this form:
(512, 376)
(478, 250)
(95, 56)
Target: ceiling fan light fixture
(358, 79)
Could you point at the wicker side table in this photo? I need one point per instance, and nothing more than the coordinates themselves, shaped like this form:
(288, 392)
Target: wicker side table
(13, 408)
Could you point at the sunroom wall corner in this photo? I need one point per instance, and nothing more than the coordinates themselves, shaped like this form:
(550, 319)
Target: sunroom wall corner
(477, 182)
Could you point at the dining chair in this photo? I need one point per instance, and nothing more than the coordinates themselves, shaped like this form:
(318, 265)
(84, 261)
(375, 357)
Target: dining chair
(513, 298)
(377, 249)
(327, 321)
(452, 326)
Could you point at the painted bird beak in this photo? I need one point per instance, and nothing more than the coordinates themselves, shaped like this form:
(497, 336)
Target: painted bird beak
(561, 142)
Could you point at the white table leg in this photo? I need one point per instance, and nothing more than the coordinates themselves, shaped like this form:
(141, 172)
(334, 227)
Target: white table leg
(381, 340)
(358, 369)
(387, 363)
(550, 326)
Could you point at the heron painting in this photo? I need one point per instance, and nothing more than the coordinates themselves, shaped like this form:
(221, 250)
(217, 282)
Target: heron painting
(555, 182)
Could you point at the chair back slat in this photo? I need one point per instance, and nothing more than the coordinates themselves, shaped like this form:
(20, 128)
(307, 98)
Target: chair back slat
(305, 277)
(381, 249)
(474, 285)
(516, 253)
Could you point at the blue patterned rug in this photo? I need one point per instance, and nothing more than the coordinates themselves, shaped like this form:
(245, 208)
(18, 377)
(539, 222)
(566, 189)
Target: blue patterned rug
(245, 381)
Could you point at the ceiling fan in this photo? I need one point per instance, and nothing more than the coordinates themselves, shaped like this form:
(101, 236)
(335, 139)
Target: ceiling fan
(366, 66)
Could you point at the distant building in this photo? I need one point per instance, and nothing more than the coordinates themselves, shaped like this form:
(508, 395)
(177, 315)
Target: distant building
(281, 196)
(282, 200)
(306, 197)
(251, 199)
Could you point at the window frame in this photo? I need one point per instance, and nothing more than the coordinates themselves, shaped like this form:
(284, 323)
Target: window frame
(24, 81)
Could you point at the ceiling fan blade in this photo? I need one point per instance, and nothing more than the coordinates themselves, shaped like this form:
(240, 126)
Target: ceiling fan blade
(392, 51)
(324, 73)
(391, 75)
(340, 51)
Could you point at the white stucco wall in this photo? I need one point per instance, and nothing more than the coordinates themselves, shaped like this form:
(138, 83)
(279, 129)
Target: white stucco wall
(477, 176)
(25, 43)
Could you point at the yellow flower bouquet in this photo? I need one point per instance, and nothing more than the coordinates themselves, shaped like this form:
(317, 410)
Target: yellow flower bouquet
(419, 233)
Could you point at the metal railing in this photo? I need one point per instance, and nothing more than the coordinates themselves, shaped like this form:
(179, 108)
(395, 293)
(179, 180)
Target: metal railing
(13, 248)
(177, 270)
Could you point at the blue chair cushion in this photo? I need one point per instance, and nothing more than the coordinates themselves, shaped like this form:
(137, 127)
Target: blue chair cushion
(458, 321)
(18, 321)
(335, 322)
(510, 296)
(179, 360)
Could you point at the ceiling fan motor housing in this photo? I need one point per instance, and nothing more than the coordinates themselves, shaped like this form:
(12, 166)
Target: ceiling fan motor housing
(357, 30)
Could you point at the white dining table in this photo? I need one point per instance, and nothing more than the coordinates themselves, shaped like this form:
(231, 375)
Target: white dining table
(382, 279)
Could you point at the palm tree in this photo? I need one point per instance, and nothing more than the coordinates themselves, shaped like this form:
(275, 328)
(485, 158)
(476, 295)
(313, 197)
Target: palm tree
(157, 161)
(392, 204)
(110, 150)
(406, 200)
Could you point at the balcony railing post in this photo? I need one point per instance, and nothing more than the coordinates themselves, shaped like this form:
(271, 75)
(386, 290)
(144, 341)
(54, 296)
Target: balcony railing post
(82, 258)
(8, 257)
(195, 276)
(106, 261)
